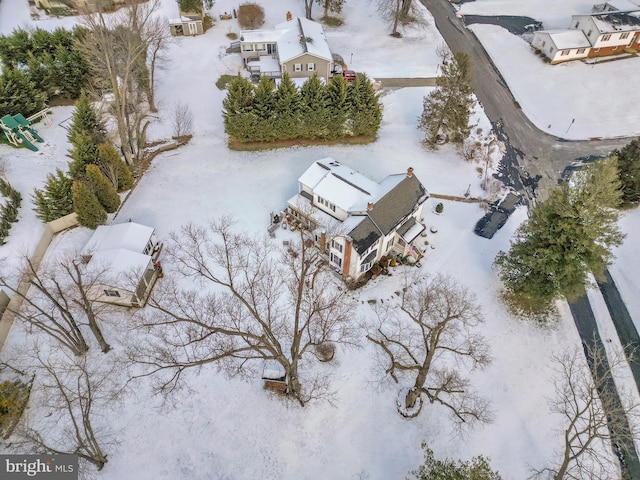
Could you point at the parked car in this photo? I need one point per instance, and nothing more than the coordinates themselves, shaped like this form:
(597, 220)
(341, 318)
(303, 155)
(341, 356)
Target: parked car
(349, 75)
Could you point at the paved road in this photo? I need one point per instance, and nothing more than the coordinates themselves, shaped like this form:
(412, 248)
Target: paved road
(627, 332)
(588, 330)
(534, 160)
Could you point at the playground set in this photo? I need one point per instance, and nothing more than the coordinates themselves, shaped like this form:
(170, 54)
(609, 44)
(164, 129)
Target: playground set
(18, 130)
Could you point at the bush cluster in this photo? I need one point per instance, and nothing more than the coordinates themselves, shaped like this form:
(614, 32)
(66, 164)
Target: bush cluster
(9, 210)
(264, 113)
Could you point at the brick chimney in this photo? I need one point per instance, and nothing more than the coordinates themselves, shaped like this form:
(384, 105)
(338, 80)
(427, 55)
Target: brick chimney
(323, 242)
(369, 206)
(409, 172)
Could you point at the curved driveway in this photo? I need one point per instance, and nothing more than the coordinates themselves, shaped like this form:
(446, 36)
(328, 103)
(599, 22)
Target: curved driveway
(534, 159)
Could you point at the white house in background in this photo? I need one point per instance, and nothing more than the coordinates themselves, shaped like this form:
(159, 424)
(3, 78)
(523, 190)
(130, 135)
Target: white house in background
(125, 253)
(354, 220)
(298, 47)
(561, 45)
(617, 5)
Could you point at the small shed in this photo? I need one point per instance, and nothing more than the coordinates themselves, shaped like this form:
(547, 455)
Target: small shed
(274, 376)
(186, 26)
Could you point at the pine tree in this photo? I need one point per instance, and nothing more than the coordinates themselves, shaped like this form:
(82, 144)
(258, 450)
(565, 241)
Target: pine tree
(365, 111)
(263, 105)
(566, 237)
(114, 167)
(104, 191)
(286, 109)
(337, 94)
(83, 152)
(314, 117)
(86, 205)
(433, 469)
(54, 200)
(237, 109)
(629, 172)
(86, 121)
(19, 94)
(446, 110)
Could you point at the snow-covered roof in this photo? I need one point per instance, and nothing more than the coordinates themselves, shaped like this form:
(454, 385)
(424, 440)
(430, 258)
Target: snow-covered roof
(610, 22)
(131, 236)
(302, 36)
(342, 186)
(260, 36)
(624, 5)
(268, 64)
(119, 263)
(566, 38)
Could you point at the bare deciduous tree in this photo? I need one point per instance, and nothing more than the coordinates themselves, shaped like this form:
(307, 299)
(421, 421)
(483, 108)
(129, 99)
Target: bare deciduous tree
(255, 301)
(399, 12)
(75, 394)
(58, 302)
(593, 415)
(424, 338)
(182, 120)
(118, 47)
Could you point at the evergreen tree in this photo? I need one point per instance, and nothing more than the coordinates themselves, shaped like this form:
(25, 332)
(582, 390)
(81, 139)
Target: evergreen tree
(86, 205)
(566, 237)
(446, 110)
(237, 109)
(365, 111)
(104, 191)
(629, 173)
(87, 121)
(83, 152)
(314, 116)
(263, 108)
(286, 109)
(337, 94)
(433, 469)
(70, 71)
(18, 94)
(114, 167)
(54, 200)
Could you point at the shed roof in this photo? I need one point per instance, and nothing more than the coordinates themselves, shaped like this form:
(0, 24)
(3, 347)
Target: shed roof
(120, 263)
(131, 236)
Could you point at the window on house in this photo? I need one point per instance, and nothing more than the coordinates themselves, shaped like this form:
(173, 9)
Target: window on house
(297, 67)
(577, 25)
(365, 267)
(624, 35)
(336, 259)
(580, 50)
(596, 50)
(260, 46)
(336, 245)
(544, 44)
(311, 67)
(564, 52)
(606, 37)
(589, 33)
(112, 293)
(614, 48)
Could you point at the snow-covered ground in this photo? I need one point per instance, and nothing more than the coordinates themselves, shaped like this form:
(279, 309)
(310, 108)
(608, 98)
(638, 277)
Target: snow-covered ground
(230, 428)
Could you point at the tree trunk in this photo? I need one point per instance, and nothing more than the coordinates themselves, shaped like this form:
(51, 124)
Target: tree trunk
(406, 5)
(416, 391)
(308, 4)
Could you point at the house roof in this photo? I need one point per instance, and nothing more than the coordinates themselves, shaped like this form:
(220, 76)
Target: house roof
(346, 188)
(120, 263)
(567, 38)
(302, 36)
(624, 5)
(611, 22)
(131, 236)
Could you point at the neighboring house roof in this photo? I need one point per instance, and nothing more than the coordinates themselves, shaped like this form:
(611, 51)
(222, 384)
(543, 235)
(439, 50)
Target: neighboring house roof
(567, 38)
(624, 5)
(611, 22)
(294, 37)
(302, 36)
(130, 235)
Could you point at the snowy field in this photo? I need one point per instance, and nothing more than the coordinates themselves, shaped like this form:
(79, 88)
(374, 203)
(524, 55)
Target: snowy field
(231, 429)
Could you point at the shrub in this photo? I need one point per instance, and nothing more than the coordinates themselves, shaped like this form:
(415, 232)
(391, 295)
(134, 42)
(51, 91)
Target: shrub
(250, 16)
(104, 191)
(439, 208)
(86, 205)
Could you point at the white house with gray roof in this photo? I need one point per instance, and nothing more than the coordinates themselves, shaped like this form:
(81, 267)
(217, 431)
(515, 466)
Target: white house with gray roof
(298, 47)
(354, 220)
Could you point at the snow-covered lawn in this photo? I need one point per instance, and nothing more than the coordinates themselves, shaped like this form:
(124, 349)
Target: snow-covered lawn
(225, 428)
